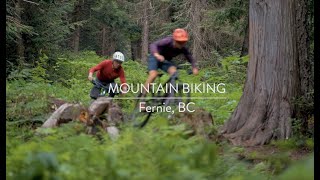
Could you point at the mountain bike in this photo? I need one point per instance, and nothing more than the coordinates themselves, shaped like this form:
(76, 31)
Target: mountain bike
(104, 88)
(158, 98)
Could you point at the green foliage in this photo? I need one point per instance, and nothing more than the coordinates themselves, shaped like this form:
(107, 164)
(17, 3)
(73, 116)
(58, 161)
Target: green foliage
(278, 162)
(28, 91)
(41, 26)
(135, 155)
(17, 74)
(68, 70)
(237, 150)
(294, 143)
(224, 23)
(301, 170)
(232, 74)
(305, 103)
(109, 15)
(25, 100)
(39, 72)
(235, 68)
(44, 166)
(50, 35)
(261, 167)
(14, 27)
(36, 74)
(303, 124)
(159, 151)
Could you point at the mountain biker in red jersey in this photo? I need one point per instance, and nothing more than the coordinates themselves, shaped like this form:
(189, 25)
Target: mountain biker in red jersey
(107, 72)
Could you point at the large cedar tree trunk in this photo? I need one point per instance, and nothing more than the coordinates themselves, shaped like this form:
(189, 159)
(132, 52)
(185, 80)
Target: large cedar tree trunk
(273, 79)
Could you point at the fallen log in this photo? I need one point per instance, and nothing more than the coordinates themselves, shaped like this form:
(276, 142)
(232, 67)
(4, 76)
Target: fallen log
(101, 114)
(64, 114)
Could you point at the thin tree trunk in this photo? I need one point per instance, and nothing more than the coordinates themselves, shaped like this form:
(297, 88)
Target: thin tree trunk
(196, 7)
(76, 34)
(145, 32)
(20, 44)
(133, 55)
(135, 49)
(265, 108)
(103, 50)
(76, 39)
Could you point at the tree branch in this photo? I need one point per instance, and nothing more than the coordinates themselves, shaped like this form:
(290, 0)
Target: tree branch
(31, 2)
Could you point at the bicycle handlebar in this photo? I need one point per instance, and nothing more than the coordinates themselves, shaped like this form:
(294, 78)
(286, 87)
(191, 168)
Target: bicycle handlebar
(189, 71)
(95, 82)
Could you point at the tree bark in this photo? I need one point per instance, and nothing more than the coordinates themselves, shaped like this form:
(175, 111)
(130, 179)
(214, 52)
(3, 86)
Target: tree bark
(135, 47)
(133, 55)
(265, 108)
(145, 31)
(76, 39)
(245, 44)
(306, 79)
(196, 7)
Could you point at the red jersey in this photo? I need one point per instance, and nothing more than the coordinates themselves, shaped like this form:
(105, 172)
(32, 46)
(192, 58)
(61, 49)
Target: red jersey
(107, 73)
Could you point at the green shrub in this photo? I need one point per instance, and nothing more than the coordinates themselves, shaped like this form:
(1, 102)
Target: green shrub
(158, 151)
(301, 170)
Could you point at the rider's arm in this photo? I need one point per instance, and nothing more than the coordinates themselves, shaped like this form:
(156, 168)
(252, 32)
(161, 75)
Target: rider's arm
(154, 47)
(123, 79)
(90, 76)
(189, 57)
(96, 68)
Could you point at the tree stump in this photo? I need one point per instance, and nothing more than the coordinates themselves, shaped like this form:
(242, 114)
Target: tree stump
(200, 121)
(103, 113)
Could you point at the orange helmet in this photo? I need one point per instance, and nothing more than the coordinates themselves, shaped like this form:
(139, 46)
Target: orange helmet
(180, 35)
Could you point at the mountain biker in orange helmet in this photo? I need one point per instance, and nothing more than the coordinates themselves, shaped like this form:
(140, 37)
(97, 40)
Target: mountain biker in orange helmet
(166, 49)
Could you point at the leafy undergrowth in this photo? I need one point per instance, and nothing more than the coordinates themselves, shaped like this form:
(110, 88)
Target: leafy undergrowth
(159, 151)
(156, 152)
(272, 159)
(135, 154)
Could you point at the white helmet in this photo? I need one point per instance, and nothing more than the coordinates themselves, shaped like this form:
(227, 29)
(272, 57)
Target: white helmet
(118, 56)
